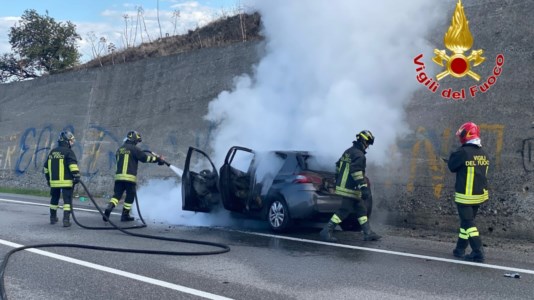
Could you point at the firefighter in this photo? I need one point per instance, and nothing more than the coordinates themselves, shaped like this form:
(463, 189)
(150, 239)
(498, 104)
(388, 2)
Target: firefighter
(62, 173)
(128, 156)
(470, 163)
(352, 187)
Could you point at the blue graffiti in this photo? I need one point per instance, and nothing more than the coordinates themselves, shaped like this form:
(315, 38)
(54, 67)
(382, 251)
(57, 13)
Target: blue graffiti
(23, 151)
(36, 143)
(42, 146)
(46, 148)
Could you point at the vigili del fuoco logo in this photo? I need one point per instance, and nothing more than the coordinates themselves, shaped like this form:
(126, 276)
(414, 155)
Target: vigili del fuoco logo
(458, 39)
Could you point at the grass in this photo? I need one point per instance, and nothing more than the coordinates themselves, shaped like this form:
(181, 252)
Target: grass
(32, 192)
(221, 32)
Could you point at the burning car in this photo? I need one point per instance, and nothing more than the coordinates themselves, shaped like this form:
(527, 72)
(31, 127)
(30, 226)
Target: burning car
(281, 187)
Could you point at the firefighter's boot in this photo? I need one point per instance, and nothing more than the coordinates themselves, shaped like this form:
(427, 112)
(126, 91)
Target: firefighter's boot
(477, 255)
(125, 217)
(327, 234)
(66, 218)
(461, 245)
(53, 216)
(107, 211)
(368, 234)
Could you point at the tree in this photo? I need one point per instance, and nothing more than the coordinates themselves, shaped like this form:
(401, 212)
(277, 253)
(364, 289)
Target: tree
(40, 46)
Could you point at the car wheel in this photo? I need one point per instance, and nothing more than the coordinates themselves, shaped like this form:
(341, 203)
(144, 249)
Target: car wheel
(278, 215)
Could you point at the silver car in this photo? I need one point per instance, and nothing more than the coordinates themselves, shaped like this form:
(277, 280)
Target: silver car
(281, 187)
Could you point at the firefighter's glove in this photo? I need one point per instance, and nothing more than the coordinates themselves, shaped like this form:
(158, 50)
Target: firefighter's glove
(366, 193)
(76, 178)
(160, 160)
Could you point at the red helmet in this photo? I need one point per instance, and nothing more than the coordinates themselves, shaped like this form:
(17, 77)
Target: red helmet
(468, 131)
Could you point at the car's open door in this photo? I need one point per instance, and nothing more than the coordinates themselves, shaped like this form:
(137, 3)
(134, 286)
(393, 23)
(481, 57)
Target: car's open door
(236, 182)
(200, 191)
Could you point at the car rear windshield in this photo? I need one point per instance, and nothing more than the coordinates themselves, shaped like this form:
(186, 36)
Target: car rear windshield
(290, 164)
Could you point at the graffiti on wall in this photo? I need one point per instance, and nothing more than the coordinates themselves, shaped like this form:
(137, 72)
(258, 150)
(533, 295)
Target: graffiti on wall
(99, 144)
(34, 145)
(5, 156)
(436, 167)
(427, 159)
(27, 150)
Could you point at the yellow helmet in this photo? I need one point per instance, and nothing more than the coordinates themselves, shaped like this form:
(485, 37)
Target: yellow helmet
(134, 136)
(366, 137)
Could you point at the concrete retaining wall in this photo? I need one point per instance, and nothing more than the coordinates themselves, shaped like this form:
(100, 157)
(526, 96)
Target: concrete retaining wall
(163, 98)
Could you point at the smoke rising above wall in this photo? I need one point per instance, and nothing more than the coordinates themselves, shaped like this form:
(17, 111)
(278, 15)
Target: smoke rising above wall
(331, 69)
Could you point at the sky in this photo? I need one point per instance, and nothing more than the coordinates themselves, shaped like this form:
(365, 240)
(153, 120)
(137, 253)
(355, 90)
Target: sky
(105, 18)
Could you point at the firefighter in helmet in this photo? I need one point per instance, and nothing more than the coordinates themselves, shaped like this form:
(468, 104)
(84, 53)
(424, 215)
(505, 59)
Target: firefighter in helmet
(62, 173)
(128, 157)
(470, 163)
(352, 187)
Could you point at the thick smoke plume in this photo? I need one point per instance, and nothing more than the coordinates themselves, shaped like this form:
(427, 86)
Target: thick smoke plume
(330, 70)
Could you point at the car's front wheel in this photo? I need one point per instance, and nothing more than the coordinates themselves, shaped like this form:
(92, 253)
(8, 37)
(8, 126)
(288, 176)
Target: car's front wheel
(278, 215)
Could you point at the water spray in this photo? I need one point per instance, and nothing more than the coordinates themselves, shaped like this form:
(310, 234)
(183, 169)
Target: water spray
(176, 170)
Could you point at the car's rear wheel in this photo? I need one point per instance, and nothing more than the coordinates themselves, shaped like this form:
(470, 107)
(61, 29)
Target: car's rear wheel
(278, 215)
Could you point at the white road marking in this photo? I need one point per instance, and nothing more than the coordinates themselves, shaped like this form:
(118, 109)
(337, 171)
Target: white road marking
(142, 278)
(48, 204)
(454, 261)
(134, 276)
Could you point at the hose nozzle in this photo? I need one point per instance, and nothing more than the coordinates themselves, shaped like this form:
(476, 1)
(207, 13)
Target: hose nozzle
(161, 161)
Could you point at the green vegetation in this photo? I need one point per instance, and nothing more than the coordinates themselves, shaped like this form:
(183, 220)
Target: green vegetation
(40, 46)
(32, 192)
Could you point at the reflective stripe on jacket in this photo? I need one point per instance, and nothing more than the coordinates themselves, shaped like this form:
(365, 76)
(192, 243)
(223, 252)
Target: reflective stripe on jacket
(350, 176)
(470, 163)
(128, 157)
(60, 166)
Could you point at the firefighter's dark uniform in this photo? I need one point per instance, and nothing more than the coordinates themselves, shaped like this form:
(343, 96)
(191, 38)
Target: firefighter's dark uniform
(350, 180)
(470, 163)
(350, 184)
(128, 157)
(61, 169)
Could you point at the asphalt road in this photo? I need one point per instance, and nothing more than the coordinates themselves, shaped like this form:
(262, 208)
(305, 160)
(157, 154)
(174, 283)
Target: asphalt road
(260, 265)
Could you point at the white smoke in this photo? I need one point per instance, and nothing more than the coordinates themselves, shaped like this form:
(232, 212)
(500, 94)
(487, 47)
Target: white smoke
(160, 201)
(331, 69)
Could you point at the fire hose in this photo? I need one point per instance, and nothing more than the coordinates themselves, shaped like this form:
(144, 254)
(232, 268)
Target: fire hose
(223, 248)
